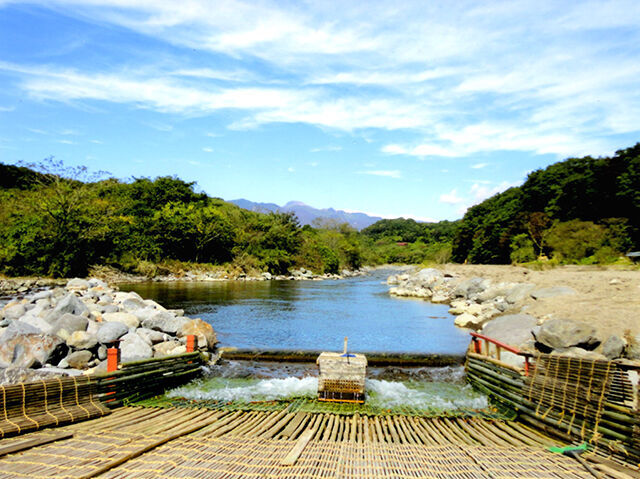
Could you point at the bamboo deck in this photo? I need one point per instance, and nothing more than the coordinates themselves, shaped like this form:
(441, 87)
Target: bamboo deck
(136, 442)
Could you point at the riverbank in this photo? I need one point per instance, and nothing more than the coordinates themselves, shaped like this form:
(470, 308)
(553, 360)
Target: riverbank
(593, 308)
(22, 285)
(67, 330)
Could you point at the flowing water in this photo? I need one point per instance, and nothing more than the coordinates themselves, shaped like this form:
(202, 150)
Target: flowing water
(316, 315)
(313, 315)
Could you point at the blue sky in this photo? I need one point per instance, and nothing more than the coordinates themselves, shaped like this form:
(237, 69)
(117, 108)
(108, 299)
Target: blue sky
(416, 109)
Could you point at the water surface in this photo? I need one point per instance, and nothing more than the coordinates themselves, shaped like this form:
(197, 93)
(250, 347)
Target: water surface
(313, 315)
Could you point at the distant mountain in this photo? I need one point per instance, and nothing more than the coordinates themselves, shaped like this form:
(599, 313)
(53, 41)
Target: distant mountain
(307, 214)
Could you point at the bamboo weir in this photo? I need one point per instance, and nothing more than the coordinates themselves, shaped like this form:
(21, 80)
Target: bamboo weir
(128, 431)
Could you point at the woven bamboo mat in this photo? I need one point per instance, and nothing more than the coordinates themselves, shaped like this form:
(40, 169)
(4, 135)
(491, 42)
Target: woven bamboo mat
(234, 458)
(30, 406)
(160, 442)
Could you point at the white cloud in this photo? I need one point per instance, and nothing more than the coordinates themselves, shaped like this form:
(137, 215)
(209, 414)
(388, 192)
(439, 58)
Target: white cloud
(542, 77)
(397, 174)
(97, 142)
(7, 108)
(66, 142)
(291, 169)
(207, 149)
(326, 148)
(451, 198)
(478, 166)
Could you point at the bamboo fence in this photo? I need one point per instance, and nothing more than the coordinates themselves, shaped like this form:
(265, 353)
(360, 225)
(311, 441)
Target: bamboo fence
(48, 402)
(138, 380)
(570, 398)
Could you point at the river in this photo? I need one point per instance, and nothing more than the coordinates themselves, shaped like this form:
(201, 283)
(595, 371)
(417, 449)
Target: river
(317, 315)
(313, 315)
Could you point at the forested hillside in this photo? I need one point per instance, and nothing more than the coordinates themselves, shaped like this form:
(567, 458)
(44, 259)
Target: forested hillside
(59, 221)
(578, 210)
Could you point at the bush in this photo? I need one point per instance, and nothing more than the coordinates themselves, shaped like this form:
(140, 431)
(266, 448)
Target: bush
(522, 250)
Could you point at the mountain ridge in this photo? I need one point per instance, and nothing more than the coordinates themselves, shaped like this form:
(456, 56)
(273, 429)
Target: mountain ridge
(308, 214)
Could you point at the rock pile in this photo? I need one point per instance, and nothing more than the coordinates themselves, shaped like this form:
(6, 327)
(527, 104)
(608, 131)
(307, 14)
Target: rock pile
(496, 310)
(71, 327)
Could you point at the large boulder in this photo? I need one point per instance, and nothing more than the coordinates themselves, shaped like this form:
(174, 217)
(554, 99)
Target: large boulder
(69, 304)
(24, 346)
(566, 333)
(134, 348)
(151, 336)
(37, 323)
(168, 348)
(69, 323)
(512, 329)
(82, 340)
(131, 320)
(613, 347)
(203, 332)
(519, 292)
(110, 332)
(633, 348)
(164, 321)
(467, 320)
(470, 287)
(428, 277)
(14, 311)
(576, 352)
(552, 292)
(132, 304)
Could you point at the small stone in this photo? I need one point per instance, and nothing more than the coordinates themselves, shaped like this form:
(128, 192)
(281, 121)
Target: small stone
(552, 292)
(79, 359)
(77, 284)
(47, 293)
(102, 352)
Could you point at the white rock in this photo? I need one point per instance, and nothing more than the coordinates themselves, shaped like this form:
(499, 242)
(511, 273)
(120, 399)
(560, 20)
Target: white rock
(130, 320)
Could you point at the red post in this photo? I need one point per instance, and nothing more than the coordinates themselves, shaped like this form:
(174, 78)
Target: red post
(191, 343)
(526, 365)
(112, 360)
(476, 345)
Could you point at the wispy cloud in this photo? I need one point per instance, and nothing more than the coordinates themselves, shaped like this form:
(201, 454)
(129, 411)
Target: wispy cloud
(207, 149)
(397, 174)
(460, 81)
(66, 142)
(326, 148)
(7, 108)
(479, 166)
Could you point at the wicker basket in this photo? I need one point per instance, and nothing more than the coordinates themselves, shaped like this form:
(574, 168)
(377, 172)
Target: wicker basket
(341, 377)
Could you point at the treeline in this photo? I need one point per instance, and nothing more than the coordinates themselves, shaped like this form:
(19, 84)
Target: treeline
(406, 241)
(59, 221)
(581, 210)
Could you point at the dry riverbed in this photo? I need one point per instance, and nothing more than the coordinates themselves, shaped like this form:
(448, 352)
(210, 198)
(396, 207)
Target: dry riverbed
(578, 310)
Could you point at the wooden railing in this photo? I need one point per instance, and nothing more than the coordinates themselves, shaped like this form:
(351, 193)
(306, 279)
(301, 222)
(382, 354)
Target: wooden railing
(478, 340)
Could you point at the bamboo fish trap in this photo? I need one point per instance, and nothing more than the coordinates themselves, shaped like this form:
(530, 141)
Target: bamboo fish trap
(342, 376)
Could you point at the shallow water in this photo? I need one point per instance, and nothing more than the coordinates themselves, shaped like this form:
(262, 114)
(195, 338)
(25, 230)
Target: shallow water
(387, 388)
(313, 315)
